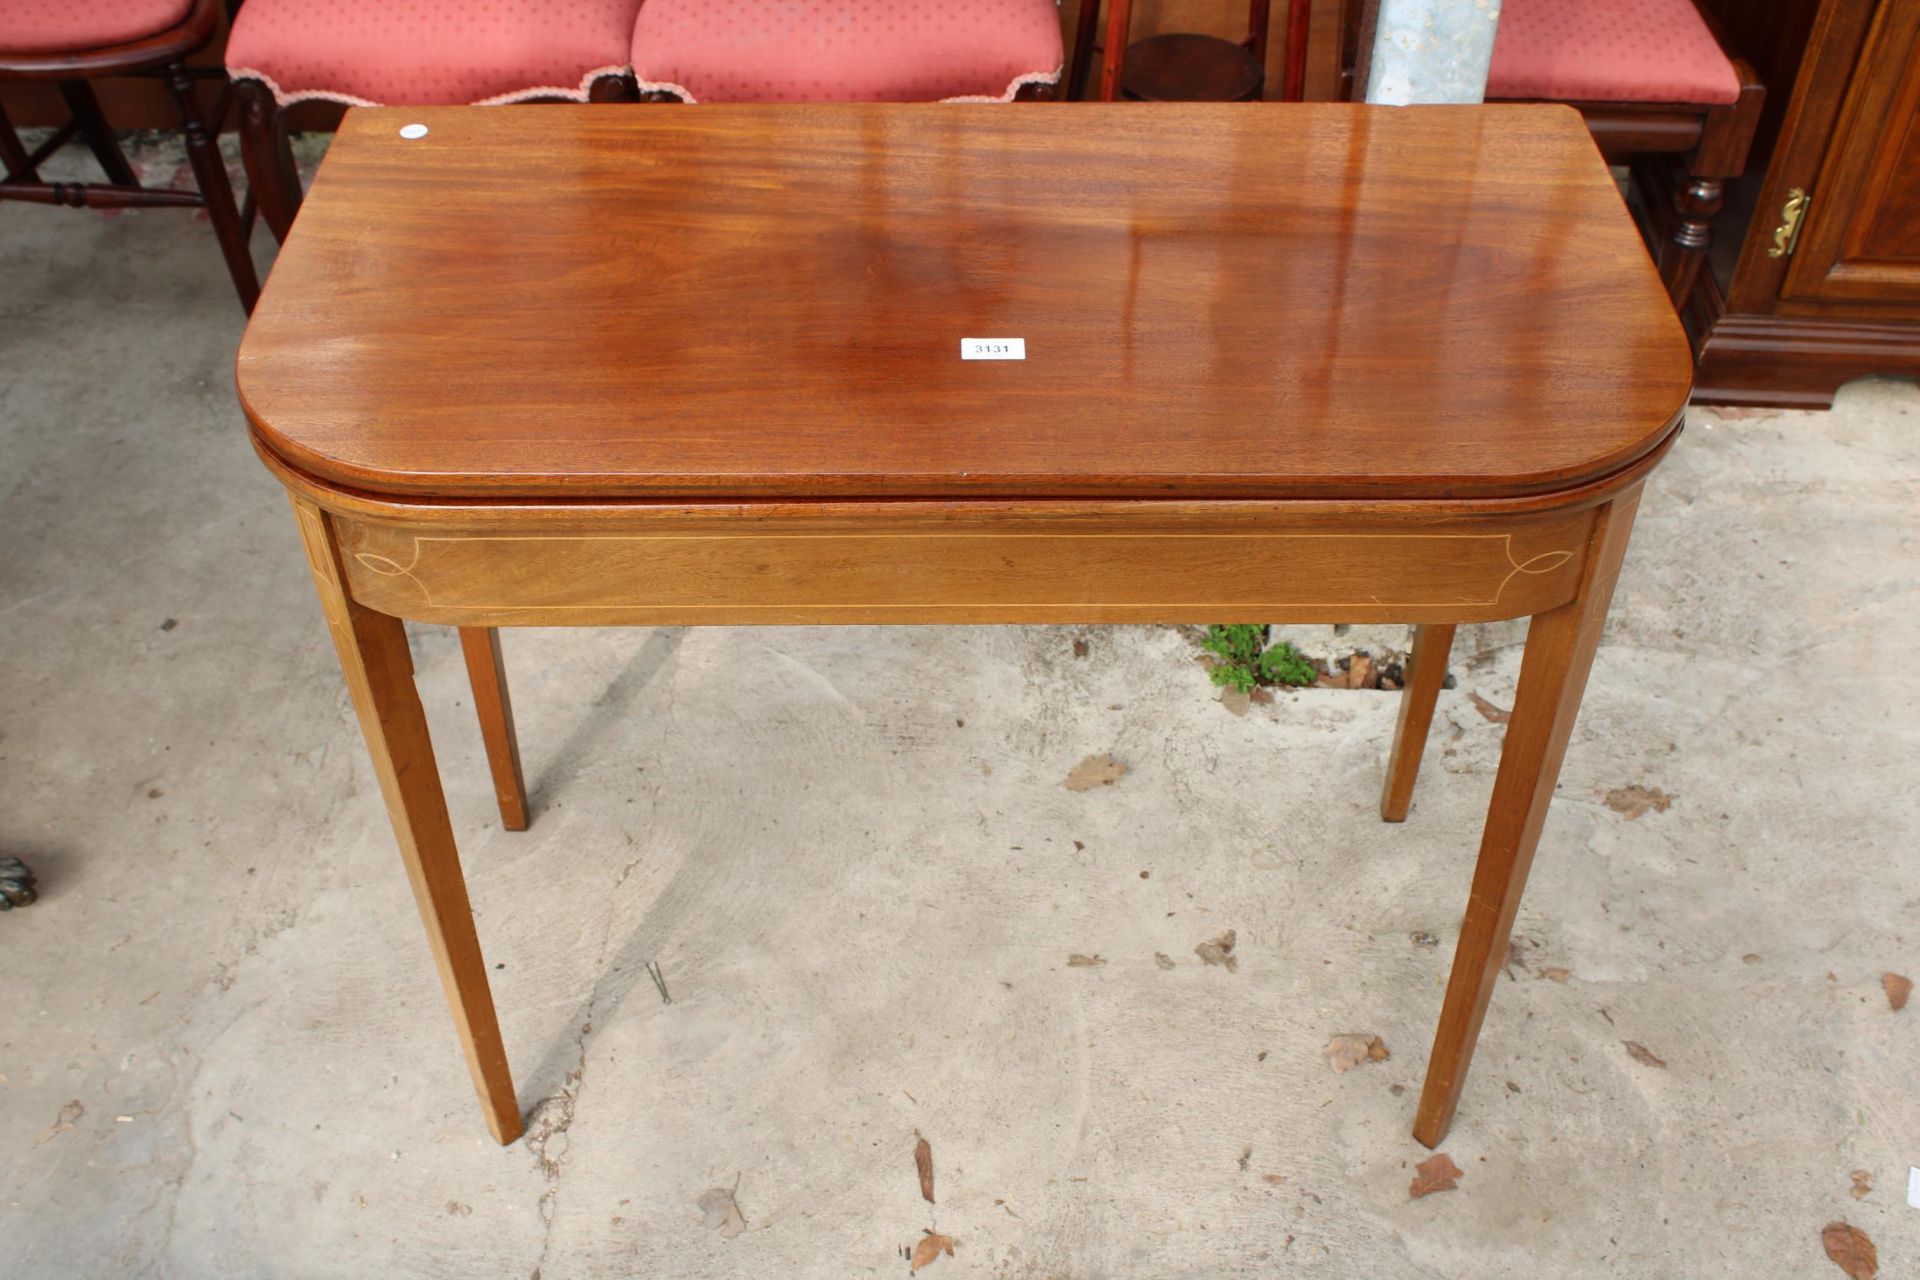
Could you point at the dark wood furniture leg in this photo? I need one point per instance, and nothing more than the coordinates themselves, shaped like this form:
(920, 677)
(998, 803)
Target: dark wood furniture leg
(85, 110)
(1726, 135)
(1426, 672)
(488, 674)
(379, 674)
(210, 172)
(15, 163)
(1112, 62)
(271, 174)
(1081, 54)
(1553, 673)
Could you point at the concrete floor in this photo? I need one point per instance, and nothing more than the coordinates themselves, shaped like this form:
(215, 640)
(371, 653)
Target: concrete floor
(851, 855)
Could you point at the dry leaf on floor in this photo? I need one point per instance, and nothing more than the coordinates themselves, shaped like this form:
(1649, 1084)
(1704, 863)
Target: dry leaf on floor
(1436, 1173)
(923, 1161)
(1850, 1250)
(1348, 1051)
(1078, 961)
(1515, 947)
(1898, 988)
(1641, 1053)
(1634, 801)
(1862, 1183)
(1095, 771)
(1556, 973)
(1219, 951)
(1080, 648)
(1488, 710)
(1260, 697)
(723, 1214)
(1360, 673)
(930, 1247)
(68, 1114)
(1236, 701)
(1162, 959)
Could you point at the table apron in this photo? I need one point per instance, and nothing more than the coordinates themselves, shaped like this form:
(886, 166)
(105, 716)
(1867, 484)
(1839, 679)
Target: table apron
(951, 566)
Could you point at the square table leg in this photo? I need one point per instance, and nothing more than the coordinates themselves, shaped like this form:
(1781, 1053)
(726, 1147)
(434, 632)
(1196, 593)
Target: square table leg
(379, 674)
(1426, 672)
(488, 674)
(1553, 674)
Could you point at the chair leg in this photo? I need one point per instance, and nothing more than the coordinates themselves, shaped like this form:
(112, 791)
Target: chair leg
(210, 171)
(1426, 672)
(85, 109)
(271, 173)
(1553, 674)
(1695, 203)
(1113, 59)
(488, 675)
(379, 674)
(1081, 56)
(15, 160)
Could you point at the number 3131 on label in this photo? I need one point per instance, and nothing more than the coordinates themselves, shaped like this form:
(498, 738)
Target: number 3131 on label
(993, 348)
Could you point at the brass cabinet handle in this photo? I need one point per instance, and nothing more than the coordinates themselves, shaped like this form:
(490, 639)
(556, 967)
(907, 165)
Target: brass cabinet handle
(1787, 234)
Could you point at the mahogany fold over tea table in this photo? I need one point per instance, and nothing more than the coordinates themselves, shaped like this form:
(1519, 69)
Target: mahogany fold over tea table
(616, 366)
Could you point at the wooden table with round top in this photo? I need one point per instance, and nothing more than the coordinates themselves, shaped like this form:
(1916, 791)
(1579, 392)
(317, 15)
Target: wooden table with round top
(632, 366)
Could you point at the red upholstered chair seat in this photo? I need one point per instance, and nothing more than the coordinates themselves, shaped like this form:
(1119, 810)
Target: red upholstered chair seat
(845, 50)
(429, 52)
(1608, 51)
(62, 26)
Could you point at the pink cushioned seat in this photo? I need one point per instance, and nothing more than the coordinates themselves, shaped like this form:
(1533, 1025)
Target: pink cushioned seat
(1608, 51)
(846, 50)
(429, 52)
(63, 26)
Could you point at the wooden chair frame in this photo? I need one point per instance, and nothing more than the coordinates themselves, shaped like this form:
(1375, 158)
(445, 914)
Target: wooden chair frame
(1680, 154)
(162, 55)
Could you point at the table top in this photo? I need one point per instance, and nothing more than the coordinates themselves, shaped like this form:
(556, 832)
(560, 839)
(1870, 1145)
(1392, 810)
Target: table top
(1215, 300)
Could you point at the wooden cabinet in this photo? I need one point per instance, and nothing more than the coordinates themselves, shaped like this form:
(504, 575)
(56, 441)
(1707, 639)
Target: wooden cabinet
(1834, 292)
(1862, 239)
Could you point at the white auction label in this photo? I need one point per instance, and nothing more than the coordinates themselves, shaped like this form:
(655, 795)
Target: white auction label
(993, 348)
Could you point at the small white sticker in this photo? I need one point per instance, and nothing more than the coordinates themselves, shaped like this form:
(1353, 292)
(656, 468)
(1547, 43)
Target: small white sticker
(993, 348)
(1913, 1187)
(412, 131)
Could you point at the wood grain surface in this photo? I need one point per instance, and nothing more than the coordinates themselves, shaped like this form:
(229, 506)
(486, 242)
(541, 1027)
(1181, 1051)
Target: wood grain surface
(1287, 300)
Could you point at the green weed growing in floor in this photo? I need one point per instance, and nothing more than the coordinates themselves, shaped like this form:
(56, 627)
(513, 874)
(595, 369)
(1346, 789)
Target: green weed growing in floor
(1246, 661)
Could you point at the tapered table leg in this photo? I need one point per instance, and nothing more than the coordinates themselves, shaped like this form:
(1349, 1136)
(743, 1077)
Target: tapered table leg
(488, 674)
(1559, 654)
(1426, 672)
(379, 674)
